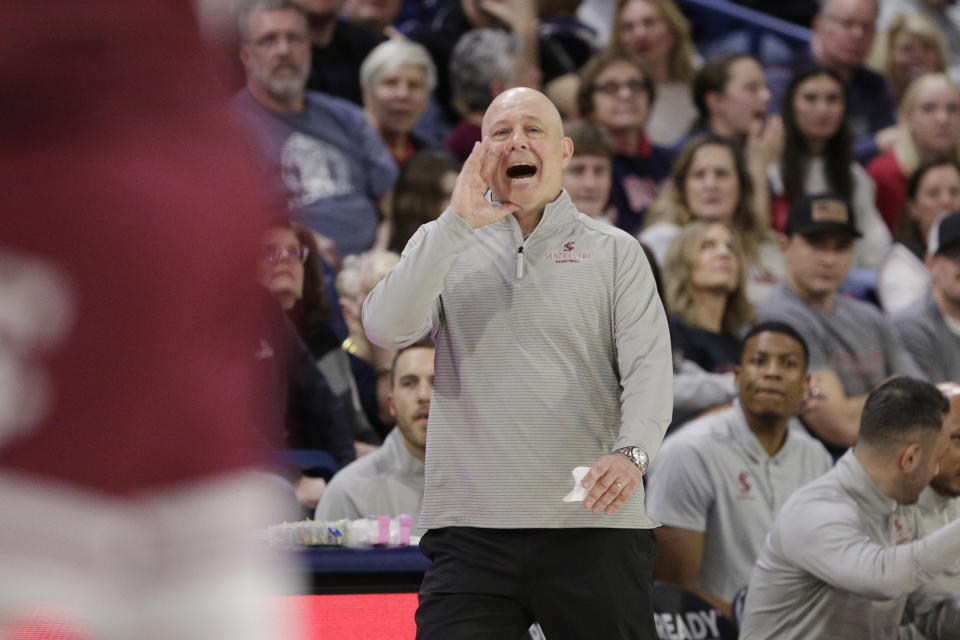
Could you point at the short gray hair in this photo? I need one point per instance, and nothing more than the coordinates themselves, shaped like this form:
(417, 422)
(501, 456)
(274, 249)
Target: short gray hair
(361, 272)
(824, 3)
(391, 55)
(246, 8)
(480, 57)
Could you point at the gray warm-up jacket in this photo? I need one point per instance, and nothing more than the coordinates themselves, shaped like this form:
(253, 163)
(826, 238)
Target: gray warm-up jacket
(551, 351)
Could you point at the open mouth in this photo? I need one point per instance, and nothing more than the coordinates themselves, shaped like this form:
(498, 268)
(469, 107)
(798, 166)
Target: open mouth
(423, 415)
(521, 171)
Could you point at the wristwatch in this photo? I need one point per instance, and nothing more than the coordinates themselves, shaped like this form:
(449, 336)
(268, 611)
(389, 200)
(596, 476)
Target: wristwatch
(637, 456)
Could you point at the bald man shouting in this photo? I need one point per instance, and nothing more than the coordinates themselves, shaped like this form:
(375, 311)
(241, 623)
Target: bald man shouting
(552, 353)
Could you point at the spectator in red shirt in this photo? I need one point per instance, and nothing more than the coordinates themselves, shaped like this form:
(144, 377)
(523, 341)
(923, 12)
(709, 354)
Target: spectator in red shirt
(930, 127)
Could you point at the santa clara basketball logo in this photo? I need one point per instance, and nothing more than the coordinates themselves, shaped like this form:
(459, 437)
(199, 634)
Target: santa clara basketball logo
(568, 254)
(902, 532)
(745, 488)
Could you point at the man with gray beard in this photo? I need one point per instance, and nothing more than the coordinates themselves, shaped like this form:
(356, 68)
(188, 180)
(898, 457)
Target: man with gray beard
(323, 157)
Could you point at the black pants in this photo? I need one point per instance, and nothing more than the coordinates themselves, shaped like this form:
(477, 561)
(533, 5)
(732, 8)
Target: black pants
(579, 584)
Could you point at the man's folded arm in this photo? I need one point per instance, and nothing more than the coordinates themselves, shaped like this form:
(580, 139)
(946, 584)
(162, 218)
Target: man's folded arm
(837, 552)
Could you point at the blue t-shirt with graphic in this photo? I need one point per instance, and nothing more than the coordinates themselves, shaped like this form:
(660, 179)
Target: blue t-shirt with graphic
(328, 164)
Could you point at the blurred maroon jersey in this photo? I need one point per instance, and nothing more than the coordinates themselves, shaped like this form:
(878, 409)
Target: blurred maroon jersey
(128, 228)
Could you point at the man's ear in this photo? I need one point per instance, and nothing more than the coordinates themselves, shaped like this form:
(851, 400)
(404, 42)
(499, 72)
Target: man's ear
(910, 457)
(566, 151)
(736, 376)
(393, 409)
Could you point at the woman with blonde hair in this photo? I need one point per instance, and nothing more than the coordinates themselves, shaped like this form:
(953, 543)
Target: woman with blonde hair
(710, 181)
(659, 35)
(907, 48)
(929, 128)
(705, 287)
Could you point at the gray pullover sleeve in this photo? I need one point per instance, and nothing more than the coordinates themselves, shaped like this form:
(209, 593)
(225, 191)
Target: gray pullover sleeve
(644, 356)
(696, 390)
(405, 305)
(336, 504)
(828, 543)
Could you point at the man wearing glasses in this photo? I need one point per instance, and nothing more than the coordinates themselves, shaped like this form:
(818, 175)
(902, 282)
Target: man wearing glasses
(328, 163)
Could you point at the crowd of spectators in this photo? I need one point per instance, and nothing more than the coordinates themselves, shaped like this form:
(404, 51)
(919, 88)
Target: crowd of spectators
(818, 196)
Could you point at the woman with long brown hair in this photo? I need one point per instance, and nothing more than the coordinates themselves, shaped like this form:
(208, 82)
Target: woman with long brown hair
(818, 158)
(290, 269)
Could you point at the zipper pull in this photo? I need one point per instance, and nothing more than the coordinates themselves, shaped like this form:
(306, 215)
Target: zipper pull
(520, 262)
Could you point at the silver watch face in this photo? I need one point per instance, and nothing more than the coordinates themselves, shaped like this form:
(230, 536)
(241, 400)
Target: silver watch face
(638, 456)
(641, 458)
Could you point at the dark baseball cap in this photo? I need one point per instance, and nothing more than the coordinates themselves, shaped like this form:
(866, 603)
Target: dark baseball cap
(944, 233)
(821, 212)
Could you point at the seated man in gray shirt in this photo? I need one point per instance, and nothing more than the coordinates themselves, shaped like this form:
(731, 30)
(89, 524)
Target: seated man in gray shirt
(842, 557)
(852, 349)
(718, 482)
(389, 481)
(930, 327)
